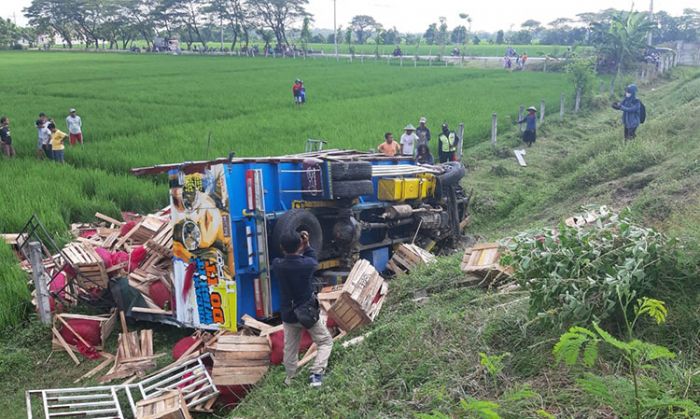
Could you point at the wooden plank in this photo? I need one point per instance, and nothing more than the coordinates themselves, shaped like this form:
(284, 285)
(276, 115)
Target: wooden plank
(218, 362)
(248, 355)
(146, 342)
(108, 359)
(108, 219)
(219, 371)
(238, 339)
(65, 346)
(244, 347)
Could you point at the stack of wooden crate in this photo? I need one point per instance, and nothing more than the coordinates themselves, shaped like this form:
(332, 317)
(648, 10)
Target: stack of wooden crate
(90, 266)
(361, 297)
(240, 360)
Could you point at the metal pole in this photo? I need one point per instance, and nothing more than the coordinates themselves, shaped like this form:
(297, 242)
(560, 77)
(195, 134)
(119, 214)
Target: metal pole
(40, 285)
(222, 33)
(335, 30)
(494, 129)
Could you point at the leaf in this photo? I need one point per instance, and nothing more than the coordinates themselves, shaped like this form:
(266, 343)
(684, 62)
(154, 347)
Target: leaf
(570, 343)
(545, 414)
(482, 408)
(590, 353)
(609, 339)
(650, 351)
(656, 309)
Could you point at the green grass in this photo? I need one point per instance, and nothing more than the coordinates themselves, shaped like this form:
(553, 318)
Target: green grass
(423, 358)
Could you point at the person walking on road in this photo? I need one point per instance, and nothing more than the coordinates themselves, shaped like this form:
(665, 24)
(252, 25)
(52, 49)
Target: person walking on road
(408, 140)
(389, 147)
(530, 121)
(75, 128)
(631, 108)
(423, 132)
(57, 139)
(297, 289)
(6, 137)
(447, 144)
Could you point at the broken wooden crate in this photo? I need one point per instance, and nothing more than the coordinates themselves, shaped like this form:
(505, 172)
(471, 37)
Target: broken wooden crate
(357, 304)
(60, 321)
(134, 355)
(240, 360)
(90, 266)
(169, 405)
(483, 260)
(408, 257)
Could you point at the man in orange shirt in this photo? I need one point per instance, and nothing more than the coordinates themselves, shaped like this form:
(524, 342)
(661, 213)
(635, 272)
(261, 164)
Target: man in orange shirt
(389, 147)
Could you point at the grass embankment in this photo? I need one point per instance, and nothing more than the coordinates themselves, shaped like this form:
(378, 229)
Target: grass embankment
(422, 357)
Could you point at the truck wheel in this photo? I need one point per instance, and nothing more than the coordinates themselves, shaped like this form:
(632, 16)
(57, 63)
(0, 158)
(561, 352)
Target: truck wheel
(454, 171)
(297, 220)
(351, 170)
(352, 188)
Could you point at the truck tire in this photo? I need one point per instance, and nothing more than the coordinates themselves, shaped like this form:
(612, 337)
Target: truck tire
(297, 220)
(351, 170)
(454, 171)
(352, 188)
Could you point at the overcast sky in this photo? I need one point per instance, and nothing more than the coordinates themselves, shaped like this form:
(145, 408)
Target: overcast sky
(416, 15)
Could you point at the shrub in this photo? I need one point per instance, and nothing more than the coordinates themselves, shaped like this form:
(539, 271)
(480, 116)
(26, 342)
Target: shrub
(578, 275)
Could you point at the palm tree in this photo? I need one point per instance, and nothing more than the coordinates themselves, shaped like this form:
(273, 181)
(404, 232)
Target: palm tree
(623, 41)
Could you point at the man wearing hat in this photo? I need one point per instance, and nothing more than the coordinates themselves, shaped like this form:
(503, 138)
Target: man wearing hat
(530, 120)
(408, 140)
(75, 127)
(423, 132)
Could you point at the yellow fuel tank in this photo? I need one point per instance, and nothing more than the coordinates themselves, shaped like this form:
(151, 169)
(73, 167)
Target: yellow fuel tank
(406, 189)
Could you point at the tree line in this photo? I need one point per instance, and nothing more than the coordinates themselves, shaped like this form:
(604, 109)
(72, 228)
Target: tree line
(118, 23)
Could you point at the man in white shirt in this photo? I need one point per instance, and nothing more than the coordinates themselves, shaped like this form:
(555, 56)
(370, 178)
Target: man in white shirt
(409, 140)
(43, 135)
(75, 128)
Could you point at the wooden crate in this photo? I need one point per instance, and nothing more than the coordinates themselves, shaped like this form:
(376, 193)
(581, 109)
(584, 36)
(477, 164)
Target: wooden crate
(107, 322)
(484, 260)
(91, 268)
(354, 302)
(170, 405)
(240, 360)
(408, 257)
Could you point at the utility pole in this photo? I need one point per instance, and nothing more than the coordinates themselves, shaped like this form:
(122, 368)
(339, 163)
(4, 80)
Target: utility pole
(651, 19)
(335, 31)
(222, 33)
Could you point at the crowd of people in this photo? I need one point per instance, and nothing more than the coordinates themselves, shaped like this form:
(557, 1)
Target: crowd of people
(50, 140)
(513, 60)
(415, 142)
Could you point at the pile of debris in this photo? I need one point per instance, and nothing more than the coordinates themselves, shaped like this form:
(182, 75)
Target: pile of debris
(138, 249)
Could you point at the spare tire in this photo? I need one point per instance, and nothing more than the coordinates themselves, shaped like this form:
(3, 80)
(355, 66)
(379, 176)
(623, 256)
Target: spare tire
(351, 170)
(297, 220)
(352, 188)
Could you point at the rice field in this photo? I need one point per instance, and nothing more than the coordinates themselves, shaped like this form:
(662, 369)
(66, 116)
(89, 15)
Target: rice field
(145, 109)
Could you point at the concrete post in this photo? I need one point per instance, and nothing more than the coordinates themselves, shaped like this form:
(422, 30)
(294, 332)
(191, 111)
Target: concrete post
(494, 129)
(577, 105)
(561, 107)
(401, 61)
(40, 285)
(542, 111)
(521, 111)
(545, 65)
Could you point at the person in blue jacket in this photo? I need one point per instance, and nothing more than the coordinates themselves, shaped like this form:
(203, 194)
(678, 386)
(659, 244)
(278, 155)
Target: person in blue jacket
(530, 121)
(631, 111)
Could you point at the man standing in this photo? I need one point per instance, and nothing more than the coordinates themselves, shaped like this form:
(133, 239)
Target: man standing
(6, 137)
(57, 139)
(43, 137)
(446, 144)
(408, 140)
(631, 111)
(423, 132)
(75, 128)
(295, 273)
(389, 147)
(530, 121)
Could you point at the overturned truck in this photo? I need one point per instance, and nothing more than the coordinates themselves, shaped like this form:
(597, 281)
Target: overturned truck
(228, 215)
